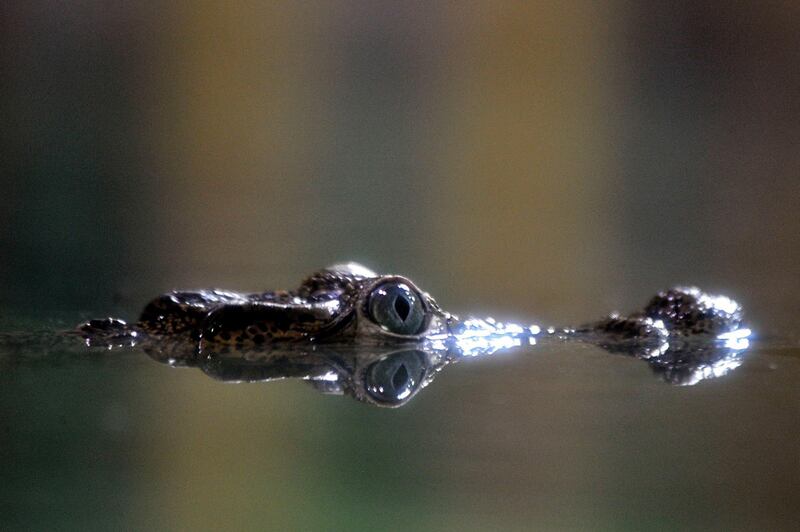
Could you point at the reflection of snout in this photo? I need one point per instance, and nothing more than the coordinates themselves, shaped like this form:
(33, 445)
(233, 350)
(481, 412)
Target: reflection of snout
(233, 368)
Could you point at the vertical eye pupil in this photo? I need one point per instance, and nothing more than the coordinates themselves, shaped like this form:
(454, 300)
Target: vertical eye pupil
(397, 308)
(400, 377)
(402, 307)
(394, 379)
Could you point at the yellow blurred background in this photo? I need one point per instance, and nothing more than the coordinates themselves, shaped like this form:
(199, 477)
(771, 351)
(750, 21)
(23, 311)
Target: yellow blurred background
(535, 160)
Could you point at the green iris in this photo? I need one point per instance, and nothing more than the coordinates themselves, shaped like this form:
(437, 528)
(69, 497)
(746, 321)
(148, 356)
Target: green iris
(397, 308)
(396, 377)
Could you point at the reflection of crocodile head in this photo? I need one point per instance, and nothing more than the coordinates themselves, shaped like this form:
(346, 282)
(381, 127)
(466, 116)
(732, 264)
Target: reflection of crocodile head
(383, 377)
(390, 376)
(380, 339)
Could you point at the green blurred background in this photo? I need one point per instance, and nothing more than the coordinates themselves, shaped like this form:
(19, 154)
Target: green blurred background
(534, 160)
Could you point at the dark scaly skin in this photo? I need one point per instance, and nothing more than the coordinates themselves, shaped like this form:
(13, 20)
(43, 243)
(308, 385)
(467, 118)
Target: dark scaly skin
(328, 306)
(679, 312)
(324, 333)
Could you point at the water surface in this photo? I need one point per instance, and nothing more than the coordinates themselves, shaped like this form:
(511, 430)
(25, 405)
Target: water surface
(564, 436)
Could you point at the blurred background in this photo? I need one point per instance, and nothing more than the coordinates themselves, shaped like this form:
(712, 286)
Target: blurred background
(534, 160)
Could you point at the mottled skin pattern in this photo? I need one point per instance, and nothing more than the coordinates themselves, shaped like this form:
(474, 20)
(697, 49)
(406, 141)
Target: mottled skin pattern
(678, 312)
(327, 332)
(328, 306)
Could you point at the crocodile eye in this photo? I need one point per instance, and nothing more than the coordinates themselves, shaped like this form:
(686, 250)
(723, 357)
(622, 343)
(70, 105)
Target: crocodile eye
(397, 308)
(396, 377)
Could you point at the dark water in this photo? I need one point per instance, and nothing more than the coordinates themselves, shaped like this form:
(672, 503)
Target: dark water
(560, 436)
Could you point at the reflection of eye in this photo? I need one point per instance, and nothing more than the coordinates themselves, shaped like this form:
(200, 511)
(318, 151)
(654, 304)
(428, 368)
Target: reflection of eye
(397, 308)
(396, 377)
